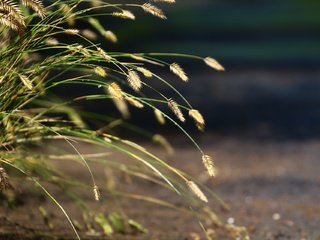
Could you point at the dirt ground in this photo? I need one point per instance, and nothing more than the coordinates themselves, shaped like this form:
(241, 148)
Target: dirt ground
(272, 186)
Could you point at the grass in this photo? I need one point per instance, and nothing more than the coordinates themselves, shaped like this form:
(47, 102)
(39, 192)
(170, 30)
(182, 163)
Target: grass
(43, 49)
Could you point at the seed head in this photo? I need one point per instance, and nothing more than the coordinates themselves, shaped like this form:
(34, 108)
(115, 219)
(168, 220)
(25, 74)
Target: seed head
(198, 118)
(134, 80)
(115, 91)
(26, 81)
(213, 64)
(134, 102)
(100, 71)
(209, 165)
(149, 8)
(124, 14)
(176, 110)
(145, 72)
(110, 36)
(176, 69)
(159, 116)
(197, 191)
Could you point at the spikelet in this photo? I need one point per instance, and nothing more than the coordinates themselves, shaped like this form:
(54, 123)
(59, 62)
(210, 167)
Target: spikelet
(103, 54)
(176, 69)
(110, 36)
(89, 34)
(197, 191)
(198, 118)
(209, 165)
(67, 11)
(125, 14)
(51, 41)
(11, 16)
(159, 116)
(26, 81)
(176, 110)
(165, 1)
(71, 31)
(100, 71)
(96, 193)
(155, 11)
(36, 6)
(157, 138)
(147, 73)
(213, 64)
(115, 91)
(134, 145)
(134, 102)
(134, 80)
(142, 59)
(4, 183)
(122, 107)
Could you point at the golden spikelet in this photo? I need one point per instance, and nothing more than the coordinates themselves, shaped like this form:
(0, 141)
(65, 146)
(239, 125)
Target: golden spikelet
(197, 191)
(159, 116)
(134, 102)
(198, 118)
(26, 81)
(157, 138)
(134, 145)
(155, 11)
(214, 64)
(125, 14)
(115, 91)
(71, 31)
(142, 59)
(177, 69)
(134, 80)
(100, 71)
(36, 6)
(89, 34)
(103, 54)
(96, 193)
(147, 73)
(176, 110)
(209, 165)
(11, 16)
(165, 1)
(51, 41)
(110, 36)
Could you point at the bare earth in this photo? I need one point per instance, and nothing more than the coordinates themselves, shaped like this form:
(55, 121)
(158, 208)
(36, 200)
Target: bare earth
(273, 188)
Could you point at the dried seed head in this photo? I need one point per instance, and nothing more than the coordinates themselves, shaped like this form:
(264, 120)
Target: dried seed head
(213, 64)
(176, 69)
(35, 5)
(176, 110)
(124, 14)
(198, 118)
(100, 71)
(103, 54)
(96, 193)
(115, 91)
(26, 81)
(110, 36)
(145, 72)
(157, 138)
(71, 31)
(89, 34)
(4, 183)
(209, 165)
(197, 191)
(134, 102)
(159, 116)
(149, 8)
(134, 80)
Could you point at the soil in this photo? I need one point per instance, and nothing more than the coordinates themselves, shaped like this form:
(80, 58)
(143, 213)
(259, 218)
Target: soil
(272, 187)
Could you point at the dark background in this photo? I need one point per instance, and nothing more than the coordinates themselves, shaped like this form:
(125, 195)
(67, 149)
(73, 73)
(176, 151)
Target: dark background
(271, 51)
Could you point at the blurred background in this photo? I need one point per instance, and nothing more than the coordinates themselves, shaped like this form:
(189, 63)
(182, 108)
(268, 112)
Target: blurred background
(270, 49)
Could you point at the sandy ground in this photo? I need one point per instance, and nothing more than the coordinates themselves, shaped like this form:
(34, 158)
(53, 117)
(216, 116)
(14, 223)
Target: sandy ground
(272, 187)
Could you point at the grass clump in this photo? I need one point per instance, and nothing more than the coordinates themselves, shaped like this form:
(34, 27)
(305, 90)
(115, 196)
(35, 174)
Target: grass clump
(41, 49)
